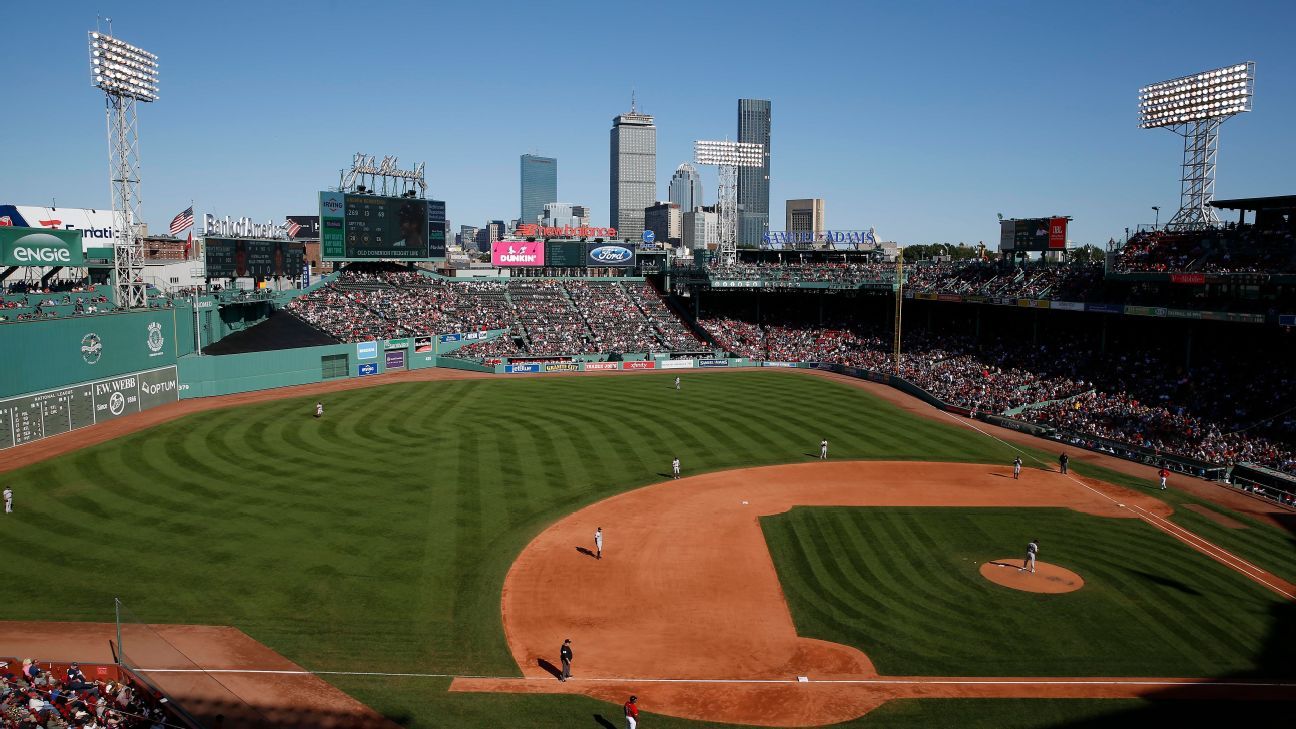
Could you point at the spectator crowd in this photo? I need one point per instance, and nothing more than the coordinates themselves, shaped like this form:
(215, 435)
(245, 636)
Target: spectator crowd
(39, 696)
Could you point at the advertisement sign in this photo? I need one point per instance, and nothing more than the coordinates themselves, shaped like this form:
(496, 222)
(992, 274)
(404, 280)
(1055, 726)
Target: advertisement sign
(531, 230)
(517, 253)
(303, 226)
(422, 344)
(366, 350)
(239, 258)
(713, 363)
(677, 364)
(447, 338)
(778, 364)
(367, 369)
(371, 227)
(562, 367)
(1197, 279)
(1057, 234)
(305, 276)
(40, 248)
(638, 365)
(590, 366)
(1069, 305)
(602, 255)
(395, 359)
(519, 368)
(1105, 308)
(401, 343)
(96, 226)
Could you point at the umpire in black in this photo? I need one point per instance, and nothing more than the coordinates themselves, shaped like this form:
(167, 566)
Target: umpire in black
(566, 655)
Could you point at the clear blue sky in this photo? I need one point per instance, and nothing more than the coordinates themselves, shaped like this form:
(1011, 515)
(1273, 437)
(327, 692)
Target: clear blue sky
(922, 119)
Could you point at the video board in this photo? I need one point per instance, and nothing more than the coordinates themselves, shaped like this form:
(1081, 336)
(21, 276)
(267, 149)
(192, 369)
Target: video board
(1033, 234)
(253, 258)
(370, 227)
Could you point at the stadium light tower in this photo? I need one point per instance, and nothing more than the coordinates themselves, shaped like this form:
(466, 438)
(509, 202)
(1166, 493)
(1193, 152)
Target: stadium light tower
(728, 157)
(127, 75)
(1194, 107)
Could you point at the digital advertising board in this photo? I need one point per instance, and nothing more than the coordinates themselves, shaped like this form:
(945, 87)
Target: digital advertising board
(252, 258)
(509, 253)
(370, 227)
(565, 253)
(1033, 234)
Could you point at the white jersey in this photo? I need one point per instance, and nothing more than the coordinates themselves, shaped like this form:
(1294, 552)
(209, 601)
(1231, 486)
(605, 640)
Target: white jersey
(598, 539)
(675, 464)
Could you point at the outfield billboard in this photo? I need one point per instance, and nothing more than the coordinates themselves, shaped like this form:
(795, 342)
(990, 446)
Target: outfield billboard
(372, 227)
(37, 248)
(603, 255)
(42, 414)
(246, 257)
(510, 253)
(95, 226)
(1033, 234)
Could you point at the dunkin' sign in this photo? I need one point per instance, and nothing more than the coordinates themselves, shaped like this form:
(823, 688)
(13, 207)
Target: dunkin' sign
(517, 253)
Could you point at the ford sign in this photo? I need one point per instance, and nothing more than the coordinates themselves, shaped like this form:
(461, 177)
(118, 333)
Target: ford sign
(611, 255)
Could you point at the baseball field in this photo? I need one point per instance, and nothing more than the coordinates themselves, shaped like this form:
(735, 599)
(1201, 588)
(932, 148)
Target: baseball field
(422, 548)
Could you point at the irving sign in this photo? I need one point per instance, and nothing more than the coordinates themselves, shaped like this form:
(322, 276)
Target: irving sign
(242, 228)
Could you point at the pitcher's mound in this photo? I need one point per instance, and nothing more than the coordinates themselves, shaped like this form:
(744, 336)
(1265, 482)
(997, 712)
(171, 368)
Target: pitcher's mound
(1046, 578)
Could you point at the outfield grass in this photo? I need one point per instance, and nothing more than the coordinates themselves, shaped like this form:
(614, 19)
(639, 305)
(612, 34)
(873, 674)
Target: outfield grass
(378, 537)
(902, 585)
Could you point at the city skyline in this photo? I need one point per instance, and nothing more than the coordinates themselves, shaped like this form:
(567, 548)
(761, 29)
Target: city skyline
(931, 154)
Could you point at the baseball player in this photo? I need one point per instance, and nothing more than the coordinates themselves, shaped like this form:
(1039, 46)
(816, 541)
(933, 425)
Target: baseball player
(8, 499)
(823, 449)
(677, 383)
(1032, 549)
(632, 712)
(319, 409)
(1164, 473)
(565, 653)
(675, 467)
(598, 543)
(1017, 467)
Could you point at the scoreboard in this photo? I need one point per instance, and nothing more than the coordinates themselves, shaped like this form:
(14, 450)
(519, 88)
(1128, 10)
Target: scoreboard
(32, 417)
(261, 259)
(370, 227)
(1033, 234)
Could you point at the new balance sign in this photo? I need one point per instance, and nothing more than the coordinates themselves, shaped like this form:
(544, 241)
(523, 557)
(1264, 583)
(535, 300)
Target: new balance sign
(40, 248)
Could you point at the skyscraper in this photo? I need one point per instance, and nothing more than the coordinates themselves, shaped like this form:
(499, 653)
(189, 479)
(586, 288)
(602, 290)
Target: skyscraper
(753, 182)
(633, 178)
(539, 186)
(685, 188)
(805, 218)
(664, 220)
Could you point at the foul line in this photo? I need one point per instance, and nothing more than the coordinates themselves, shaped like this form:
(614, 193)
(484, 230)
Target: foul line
(1220, 555)
(862, 681)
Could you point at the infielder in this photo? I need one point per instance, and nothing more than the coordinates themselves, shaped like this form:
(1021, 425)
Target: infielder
(319, 409)
(1164, 473)
(1032, 549)
(632, 712)
(598, 543)
(675, 467)
(677, 383)
(1017, 467)
(8, 499)
(823, 449)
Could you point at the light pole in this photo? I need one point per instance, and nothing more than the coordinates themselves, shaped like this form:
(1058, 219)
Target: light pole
(1157, 224)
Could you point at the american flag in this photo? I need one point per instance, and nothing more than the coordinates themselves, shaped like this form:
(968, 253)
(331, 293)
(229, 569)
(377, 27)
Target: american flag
(293, 228)
(182, 221)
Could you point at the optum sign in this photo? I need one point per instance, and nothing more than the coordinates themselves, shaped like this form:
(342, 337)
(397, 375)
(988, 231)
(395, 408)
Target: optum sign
(38, 248)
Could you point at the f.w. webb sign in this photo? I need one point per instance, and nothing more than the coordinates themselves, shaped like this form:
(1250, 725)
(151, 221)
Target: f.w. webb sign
(242, 228)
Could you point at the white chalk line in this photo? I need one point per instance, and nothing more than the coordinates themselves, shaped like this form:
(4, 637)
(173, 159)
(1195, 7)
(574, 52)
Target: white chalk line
(1187, 537)
(915, 681)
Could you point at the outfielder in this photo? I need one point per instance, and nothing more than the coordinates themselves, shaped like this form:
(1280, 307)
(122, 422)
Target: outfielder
(823, 449)
(8, 499)
(598, 543)
(677, 383)
(675, 467)
(1017, 467)
(319, 409)
(1164, 473)
(1032, 549)
(632, 712)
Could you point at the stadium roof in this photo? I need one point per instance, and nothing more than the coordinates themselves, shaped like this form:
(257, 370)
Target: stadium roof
(1277, 202)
